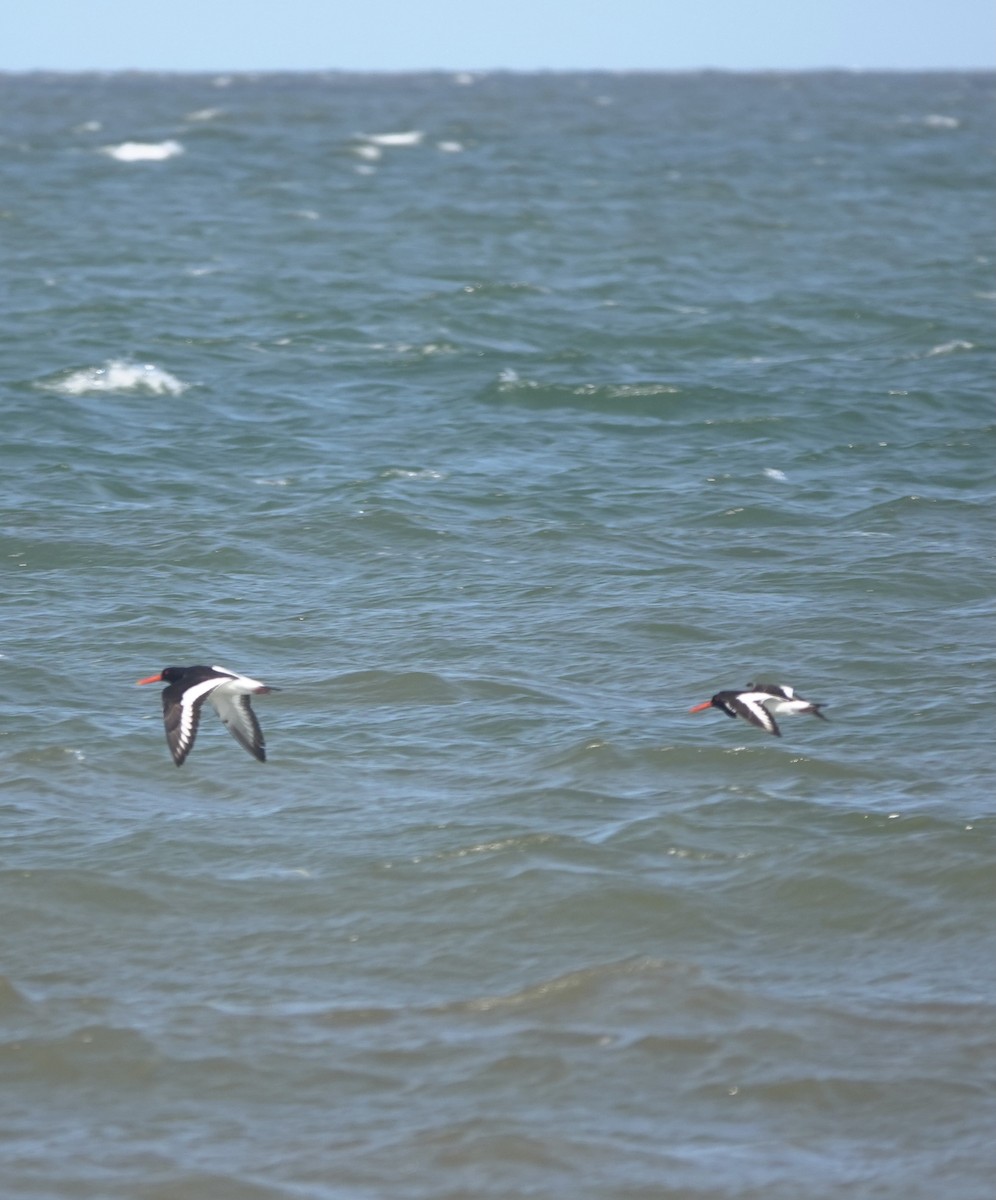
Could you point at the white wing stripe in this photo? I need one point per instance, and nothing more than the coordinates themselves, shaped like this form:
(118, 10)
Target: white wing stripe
(753, 703)
(188, 702)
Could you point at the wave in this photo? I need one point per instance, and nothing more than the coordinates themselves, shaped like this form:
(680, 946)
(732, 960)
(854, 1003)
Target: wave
(408, 137)
(552, 991)
(950, 347)
(379, 686)
(204, 114)
(143, 151)
(557, 989)
(645, 399)
(117, 375)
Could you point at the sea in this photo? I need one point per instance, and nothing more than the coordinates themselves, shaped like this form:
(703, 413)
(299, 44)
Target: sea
(498, 420)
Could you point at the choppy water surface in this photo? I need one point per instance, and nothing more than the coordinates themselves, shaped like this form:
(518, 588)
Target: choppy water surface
(499, 420)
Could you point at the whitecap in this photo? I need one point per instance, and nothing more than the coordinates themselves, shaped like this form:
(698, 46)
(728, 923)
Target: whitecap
(371, 153)
(426, 349)
(774, 473)
(937, 121)
(950, 348)
(144, 151)
(449, 147)
(204, 114)
(410, 137)
(409, 473)
(118, 376)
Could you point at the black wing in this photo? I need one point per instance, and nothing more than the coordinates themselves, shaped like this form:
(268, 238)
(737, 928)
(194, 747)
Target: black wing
(750, 706)
(182, 715)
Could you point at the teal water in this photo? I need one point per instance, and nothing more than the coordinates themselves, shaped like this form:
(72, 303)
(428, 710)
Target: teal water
(497, 443)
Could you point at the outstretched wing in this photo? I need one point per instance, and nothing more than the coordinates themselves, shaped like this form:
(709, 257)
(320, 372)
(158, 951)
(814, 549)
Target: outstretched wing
(750, 706)
(240, 720)
(182, 714)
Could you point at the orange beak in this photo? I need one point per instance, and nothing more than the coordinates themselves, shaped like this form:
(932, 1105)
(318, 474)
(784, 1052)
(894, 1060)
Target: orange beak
(151, 679)
(697, 708)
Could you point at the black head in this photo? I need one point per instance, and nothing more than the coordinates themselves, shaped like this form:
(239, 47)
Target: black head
(722, 700)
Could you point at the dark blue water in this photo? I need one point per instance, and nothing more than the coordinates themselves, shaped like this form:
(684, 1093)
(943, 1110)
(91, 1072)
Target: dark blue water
(498, 420)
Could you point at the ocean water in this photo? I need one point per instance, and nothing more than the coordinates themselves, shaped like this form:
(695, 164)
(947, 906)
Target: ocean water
(498, 420)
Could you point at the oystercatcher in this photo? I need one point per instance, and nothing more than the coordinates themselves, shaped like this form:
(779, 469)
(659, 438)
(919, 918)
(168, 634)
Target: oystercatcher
(187, 689)
(758, 701)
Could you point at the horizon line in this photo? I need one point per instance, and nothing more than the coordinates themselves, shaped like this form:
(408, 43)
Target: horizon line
(486, 71)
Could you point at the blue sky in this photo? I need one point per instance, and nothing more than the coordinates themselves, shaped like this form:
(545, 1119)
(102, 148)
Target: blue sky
(393, 35)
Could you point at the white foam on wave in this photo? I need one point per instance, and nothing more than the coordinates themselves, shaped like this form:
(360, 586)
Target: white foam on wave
(774, 473)
(423, 348)
(449, 147)
(118, 376)
(204, 114)
(410, 473)
(938, 121)
(950, 348)
(143, 151)
(409, 137)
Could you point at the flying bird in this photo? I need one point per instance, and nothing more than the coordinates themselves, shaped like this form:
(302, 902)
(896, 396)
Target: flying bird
(758, 703)
(187, 689)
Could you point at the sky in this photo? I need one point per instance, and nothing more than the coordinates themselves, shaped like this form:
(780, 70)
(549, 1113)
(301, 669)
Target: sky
(474, 35)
